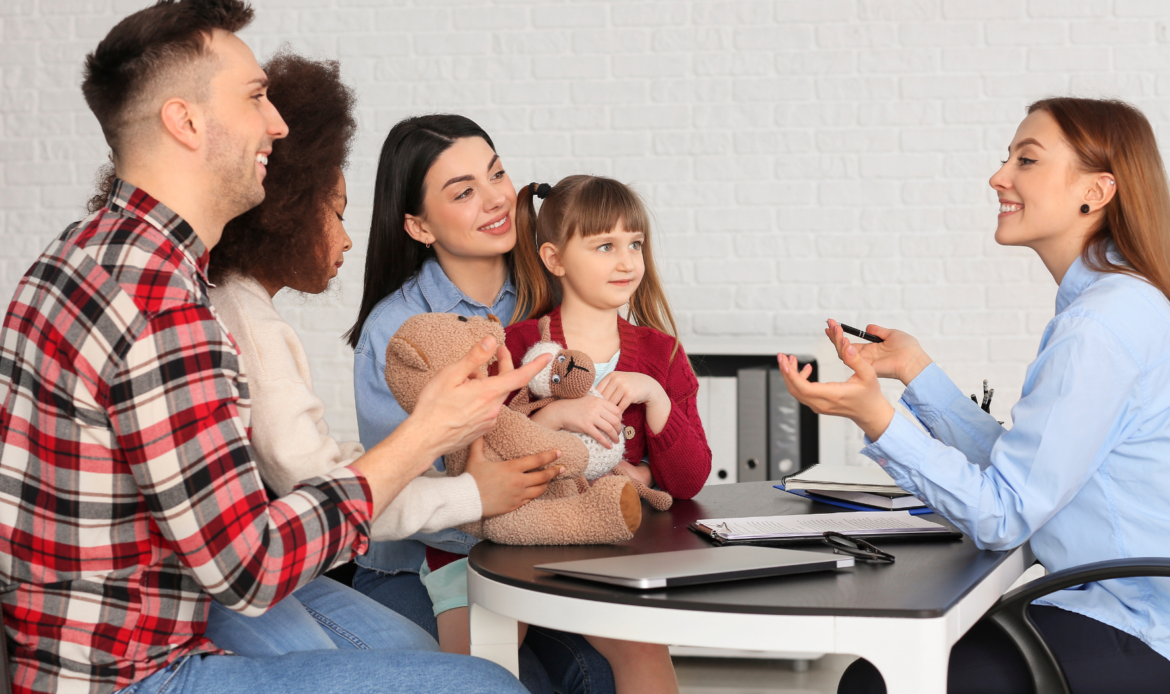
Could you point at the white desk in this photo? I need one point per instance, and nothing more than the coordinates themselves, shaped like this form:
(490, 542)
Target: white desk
(903, 618)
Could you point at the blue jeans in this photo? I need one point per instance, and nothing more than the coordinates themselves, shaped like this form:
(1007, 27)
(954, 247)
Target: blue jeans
(321, 615)
(549, 659)
(321, 672)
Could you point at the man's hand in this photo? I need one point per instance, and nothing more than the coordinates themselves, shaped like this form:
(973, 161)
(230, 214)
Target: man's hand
(459, 404)
(507, 485)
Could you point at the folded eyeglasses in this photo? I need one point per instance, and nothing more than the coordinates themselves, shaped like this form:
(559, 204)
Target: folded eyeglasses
(857, 548)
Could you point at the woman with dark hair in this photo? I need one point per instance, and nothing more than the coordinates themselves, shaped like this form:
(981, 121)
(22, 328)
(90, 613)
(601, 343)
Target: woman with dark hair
(441, 240)
(1082, 474)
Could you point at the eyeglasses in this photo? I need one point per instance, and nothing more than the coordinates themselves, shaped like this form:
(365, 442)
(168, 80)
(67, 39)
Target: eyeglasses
(857, 548)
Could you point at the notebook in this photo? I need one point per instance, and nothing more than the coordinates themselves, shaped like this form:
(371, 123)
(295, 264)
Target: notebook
(845, 478)
(813, 526)
(693, 566)
(886, 502)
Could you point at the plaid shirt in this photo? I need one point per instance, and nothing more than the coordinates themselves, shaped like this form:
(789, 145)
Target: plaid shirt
(129, 497)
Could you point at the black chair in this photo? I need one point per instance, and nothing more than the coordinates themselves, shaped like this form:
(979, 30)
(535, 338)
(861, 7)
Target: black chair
(1011, 612)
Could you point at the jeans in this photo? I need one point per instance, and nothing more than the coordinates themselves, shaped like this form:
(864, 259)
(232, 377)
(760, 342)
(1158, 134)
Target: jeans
(321, 672)
(1096, 658)
(320, 615)
(549, 659)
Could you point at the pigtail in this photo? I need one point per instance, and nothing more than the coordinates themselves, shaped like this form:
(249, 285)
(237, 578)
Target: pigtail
(536, 291)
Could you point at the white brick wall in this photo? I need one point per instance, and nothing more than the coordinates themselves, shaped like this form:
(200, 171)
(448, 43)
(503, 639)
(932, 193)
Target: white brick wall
(804, 158)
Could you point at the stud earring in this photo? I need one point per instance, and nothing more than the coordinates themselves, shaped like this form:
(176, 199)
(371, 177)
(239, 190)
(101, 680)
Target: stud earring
(1085, 208)
(429, 245)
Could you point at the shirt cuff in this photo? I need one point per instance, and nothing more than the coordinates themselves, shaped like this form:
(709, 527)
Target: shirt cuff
(930, 395)
(358, 507)
(901, 448)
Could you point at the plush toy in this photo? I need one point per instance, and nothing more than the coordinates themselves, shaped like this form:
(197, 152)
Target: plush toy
(571, 511)
(570, 374)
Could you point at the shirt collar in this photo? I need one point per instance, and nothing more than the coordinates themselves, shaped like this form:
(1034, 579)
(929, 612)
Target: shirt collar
(1079, 276)
(441, 293)
(135, 202)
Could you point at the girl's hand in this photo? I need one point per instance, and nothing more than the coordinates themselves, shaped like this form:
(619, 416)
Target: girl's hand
(595, 417)
(625, 388)
(638, 472)
(509, 484)
(860, 398)
(900, 356)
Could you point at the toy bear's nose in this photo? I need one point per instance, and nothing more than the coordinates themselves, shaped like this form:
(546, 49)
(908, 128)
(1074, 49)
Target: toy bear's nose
(463, 319)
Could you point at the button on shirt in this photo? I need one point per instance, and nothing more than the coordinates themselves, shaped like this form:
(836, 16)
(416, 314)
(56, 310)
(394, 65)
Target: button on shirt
(1084, 472)
(378, 413)
(129, 496)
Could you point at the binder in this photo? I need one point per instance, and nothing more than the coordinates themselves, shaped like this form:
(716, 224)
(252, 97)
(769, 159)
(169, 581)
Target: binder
(845, 504)
(752, 438)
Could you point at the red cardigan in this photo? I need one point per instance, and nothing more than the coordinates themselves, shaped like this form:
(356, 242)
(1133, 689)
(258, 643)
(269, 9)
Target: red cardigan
(680, 458)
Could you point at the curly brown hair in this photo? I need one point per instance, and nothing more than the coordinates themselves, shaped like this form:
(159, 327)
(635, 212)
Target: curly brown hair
(282, 241)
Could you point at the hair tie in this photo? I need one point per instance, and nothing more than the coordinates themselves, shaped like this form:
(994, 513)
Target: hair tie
(541, 191)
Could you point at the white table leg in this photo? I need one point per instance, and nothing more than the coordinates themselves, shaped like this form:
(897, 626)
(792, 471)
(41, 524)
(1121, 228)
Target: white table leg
(912, 655)
(493, 637)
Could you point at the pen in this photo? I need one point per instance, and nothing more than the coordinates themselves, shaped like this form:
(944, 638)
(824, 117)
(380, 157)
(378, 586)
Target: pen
(860, 333)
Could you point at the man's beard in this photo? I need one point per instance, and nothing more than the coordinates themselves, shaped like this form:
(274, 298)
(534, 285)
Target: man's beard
(233, 167)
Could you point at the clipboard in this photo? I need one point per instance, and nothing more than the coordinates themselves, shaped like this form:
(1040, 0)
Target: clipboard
(717, 537)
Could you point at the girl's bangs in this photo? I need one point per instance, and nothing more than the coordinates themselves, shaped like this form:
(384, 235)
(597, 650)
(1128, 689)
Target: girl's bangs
(601, 204)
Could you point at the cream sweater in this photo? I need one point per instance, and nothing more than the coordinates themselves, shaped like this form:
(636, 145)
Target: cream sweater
(289, 435)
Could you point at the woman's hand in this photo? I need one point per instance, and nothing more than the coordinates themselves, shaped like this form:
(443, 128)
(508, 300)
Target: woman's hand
(459, 404)
(507, 485)
(860, 398)
(595, 417)
(899, 356)
(625, 388)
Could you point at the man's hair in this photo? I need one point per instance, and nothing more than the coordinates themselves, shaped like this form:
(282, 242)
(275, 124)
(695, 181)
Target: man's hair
(147, 51)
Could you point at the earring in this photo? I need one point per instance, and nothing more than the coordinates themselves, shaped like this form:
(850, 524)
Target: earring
(428, 246)
(1085, 208)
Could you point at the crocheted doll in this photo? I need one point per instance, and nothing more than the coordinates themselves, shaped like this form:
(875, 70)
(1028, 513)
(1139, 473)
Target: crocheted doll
(570, 374)
(571, 511)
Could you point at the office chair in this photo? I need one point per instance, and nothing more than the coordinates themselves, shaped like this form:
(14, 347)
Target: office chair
(1010, 613)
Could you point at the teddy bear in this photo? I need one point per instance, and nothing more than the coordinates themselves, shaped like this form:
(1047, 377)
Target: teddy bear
(571, 511)
(570, 374)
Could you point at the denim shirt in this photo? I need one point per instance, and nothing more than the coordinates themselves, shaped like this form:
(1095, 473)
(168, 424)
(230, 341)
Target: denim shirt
(1084, 472)
(379, 413)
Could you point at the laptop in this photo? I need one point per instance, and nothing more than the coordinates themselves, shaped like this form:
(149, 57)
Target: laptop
(694, 566)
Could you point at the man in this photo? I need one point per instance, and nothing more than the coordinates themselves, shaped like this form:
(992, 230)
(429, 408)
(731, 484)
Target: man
(129, 497)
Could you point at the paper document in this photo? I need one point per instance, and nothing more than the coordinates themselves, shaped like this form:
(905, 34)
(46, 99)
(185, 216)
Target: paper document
(858, 523)
(845, 478)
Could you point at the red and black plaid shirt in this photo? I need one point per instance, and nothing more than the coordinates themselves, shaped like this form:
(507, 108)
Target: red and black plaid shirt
(129, 497)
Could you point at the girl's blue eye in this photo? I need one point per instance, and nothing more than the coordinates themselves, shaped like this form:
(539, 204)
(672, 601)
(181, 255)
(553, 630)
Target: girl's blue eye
(637, 245)
(605, 247)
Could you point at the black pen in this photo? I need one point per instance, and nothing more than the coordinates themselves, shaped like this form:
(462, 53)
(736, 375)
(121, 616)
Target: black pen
(860, 333)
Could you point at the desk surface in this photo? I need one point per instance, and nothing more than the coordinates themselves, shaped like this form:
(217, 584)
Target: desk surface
(928, 579)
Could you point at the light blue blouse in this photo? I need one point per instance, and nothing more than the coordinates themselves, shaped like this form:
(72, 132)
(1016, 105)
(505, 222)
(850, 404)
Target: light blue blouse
(379, 414)
(1084, 472)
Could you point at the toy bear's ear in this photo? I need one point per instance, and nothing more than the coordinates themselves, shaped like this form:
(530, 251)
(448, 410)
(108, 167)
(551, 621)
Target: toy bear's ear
(410, 355)
(545, 332)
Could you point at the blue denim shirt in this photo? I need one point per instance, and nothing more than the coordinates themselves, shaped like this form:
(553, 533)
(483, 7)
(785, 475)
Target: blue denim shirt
(379, 413)
(1083, 473)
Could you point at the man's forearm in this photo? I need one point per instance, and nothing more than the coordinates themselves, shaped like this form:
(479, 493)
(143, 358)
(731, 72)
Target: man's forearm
(391, 465)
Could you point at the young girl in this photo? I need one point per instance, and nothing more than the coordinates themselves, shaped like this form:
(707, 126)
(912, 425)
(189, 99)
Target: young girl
(589, 248)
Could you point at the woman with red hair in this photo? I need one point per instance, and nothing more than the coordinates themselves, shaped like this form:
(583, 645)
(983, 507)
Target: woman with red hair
(1082, 474)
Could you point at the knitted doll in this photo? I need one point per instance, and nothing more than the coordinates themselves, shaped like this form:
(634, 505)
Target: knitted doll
(570, 374)
(571, 511)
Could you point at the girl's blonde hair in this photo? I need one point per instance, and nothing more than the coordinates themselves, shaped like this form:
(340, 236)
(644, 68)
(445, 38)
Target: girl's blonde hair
(585, 206)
